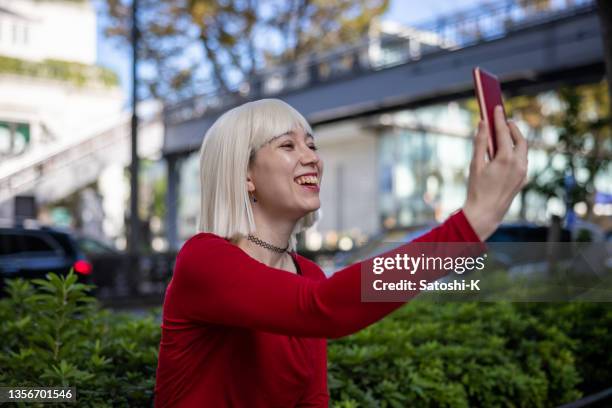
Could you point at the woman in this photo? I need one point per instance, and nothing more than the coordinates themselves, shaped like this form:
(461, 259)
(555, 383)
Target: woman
(245, 318)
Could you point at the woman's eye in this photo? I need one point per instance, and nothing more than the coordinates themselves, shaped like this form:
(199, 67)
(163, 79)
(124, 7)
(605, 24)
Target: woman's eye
(313, 147)
(287, 145)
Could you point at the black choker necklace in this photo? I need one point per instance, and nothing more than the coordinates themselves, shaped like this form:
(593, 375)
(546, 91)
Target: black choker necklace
(264, 244)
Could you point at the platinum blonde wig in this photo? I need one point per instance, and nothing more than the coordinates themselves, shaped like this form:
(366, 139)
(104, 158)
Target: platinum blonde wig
(227, 148)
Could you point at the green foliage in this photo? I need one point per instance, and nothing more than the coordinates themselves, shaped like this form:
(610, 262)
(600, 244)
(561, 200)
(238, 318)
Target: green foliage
(424, 355)
(473, 354)
(584, 144)
(78, 74)
(590, 324)
(228, 36)
(55, 335)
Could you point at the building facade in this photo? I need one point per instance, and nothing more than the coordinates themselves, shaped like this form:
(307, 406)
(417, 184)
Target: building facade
(50, 88)
(64, 136)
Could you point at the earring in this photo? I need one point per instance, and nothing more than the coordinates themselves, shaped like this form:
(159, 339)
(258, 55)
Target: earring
(254, 199)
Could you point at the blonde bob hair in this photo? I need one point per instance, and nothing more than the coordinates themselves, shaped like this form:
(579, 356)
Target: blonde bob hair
(228, 147)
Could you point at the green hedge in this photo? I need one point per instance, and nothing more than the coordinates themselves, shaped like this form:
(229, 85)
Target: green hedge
(590, 325)
(454, 355)
(77, 73)
(423, 355)
(56, 335)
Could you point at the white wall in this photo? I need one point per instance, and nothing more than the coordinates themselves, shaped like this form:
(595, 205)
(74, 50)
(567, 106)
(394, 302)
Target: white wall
(353, 149)
(58, 109)
(43, 29)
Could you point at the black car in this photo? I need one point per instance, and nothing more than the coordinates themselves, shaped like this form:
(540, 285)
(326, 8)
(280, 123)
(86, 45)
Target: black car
(33, 252)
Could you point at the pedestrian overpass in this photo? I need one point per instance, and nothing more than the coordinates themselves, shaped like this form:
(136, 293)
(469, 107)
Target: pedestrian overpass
(530, 51)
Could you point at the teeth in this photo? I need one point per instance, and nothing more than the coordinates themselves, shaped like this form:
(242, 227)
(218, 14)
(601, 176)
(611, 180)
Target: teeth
(307, 180)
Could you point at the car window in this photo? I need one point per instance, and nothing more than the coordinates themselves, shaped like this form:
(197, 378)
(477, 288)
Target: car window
(92, 247)
(26, 243)
(35, 244)
(9, 244)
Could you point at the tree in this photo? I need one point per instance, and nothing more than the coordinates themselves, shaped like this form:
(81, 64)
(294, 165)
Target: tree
(605, 19)
(585, 126)
(583, 149)
(193, 46)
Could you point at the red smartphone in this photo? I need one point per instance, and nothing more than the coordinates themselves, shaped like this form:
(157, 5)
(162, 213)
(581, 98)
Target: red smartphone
(488, 93)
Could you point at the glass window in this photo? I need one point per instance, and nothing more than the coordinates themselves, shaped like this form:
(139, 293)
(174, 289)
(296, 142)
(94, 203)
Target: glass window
(92, 247)
(9, 244)
(33, 243)
(6, 138)
(12, 244)
(15, 33)
(189, 196)
(423, 164)
(14, 137)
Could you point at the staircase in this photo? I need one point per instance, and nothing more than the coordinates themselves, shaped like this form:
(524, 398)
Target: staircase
(53, 173)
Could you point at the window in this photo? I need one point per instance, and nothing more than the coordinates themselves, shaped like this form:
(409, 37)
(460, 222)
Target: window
(21, 33)
(14, 137)
(91, 247)
(26, 243)
(15, 33)
(422, 165)
(9, 244)
(32, 243)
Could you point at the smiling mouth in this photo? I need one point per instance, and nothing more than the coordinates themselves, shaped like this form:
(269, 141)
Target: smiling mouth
(310, 182)
(307, 180)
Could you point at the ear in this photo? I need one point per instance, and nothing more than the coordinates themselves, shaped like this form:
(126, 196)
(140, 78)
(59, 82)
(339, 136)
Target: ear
(249, 182)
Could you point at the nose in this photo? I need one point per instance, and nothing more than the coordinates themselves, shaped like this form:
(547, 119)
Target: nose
(308, 156)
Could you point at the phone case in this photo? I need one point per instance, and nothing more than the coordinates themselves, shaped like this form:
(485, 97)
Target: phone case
(488, 92)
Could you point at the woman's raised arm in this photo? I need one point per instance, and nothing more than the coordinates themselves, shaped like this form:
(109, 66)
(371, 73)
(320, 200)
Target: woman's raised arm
(216, 282)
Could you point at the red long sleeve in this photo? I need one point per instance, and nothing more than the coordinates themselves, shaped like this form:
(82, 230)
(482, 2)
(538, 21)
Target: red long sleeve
(235, 329)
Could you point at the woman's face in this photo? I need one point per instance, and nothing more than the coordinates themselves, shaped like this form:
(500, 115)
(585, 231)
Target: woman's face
(285, 175)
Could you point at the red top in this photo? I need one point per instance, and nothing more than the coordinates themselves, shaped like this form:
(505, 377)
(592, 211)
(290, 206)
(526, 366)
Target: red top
(237, 333)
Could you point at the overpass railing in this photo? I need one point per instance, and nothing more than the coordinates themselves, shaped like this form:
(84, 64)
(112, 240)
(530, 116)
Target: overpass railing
(487, 22)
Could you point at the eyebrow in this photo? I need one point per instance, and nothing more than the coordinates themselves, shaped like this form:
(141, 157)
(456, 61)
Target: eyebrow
(291, 133)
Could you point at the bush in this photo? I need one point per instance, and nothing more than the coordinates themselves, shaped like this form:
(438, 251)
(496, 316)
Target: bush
(454, 355)
(57, 336)
(74, 72)
(423, 355)
(589, 324)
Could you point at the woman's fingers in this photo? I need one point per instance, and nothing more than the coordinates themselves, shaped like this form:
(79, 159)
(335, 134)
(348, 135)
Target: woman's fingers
(520, 143)
(491, 190)
(502, 132)
(520, 150)
(480, 146)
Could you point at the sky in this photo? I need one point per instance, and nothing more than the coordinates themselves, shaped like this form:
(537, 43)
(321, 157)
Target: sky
(403, 11)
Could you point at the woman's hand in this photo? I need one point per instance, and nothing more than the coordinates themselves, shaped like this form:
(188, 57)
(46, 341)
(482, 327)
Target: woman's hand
(492, 185)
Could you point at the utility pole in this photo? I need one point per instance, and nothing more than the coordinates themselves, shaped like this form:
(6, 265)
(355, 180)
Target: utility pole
(133, 245)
